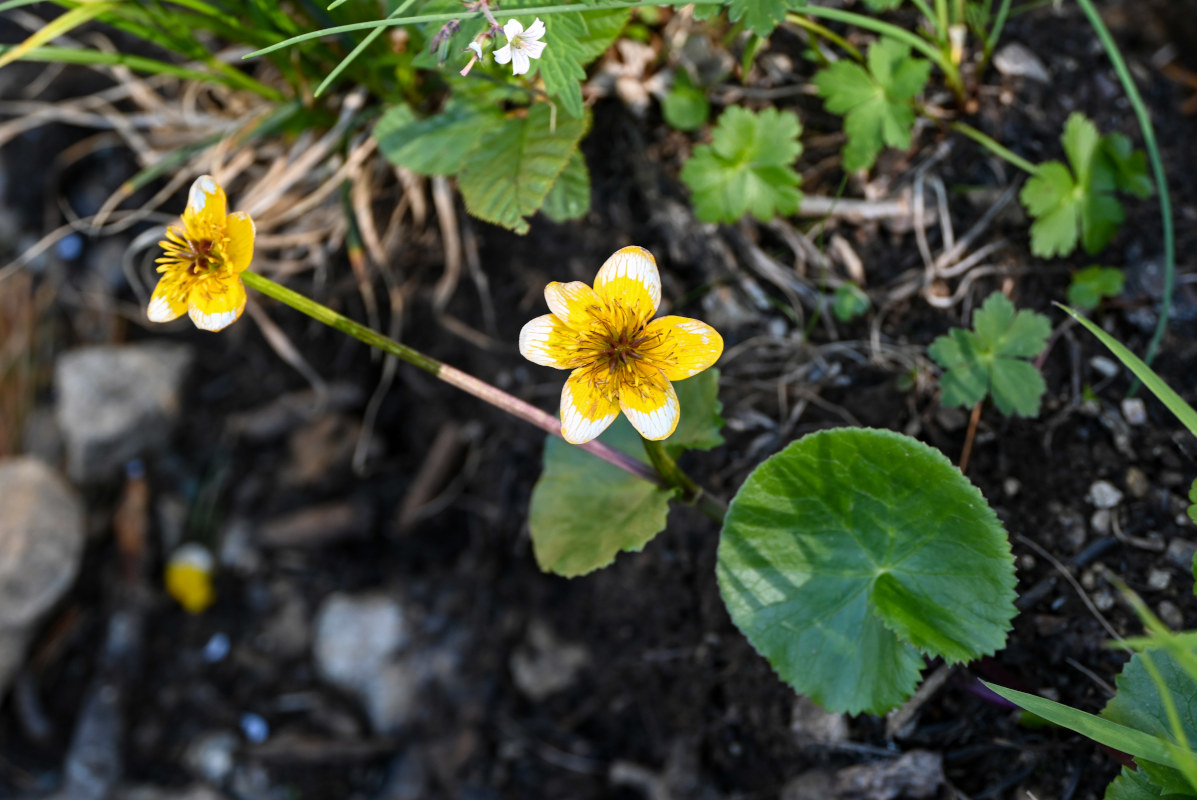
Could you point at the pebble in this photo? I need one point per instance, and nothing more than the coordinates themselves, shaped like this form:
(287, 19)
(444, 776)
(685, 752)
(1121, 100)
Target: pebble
(255, 728)
(1180, 553)
(355, 636)
(1104, 494)
(1134, 410)
(211, 756)
(116, 403)
(41, 544)
(1170, 615)
(1103, 599)
(917, 775)
(217, 648)
(1106, 367)
(1137, 483)
(1018, 61)
(1011, 487)
(811, 724)
(1100, 521)
(1159, 579)
(544, 666)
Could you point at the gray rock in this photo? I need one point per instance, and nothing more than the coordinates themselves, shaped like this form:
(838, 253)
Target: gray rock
(1015, 60)
(916, 775)
(356, 636)
(545, 666)
(1134, 410)
(212, 757)
(116, 403)
(1171, 615)
(1159, 579)
(1104, 494)
(1180, 553)
(1137, 482)
(811, 724)
(41, 543)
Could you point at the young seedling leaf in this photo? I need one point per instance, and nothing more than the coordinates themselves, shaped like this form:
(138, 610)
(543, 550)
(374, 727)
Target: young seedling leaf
(759, 16)
(747, 168)
(584, 511)
(570, 196)
(685, 107)
(1079, 203)
(1093, 284)
(876, 103)
(851, 552)
(509, 178)
(849, 303)
(990, 359)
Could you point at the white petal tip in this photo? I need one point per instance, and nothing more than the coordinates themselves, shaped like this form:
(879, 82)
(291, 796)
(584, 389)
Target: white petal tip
(212, 322)
(160, 311)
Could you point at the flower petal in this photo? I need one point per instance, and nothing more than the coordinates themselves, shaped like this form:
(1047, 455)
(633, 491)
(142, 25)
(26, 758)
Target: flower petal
(682, 347)
(206, 203)
(572, 302)
(534, 32)
(519, 62)
(587, 407)
(512, 29)
(630, 277)
(477, 48)
(546, 341)
(651, 406)
(161, 309)
(214, 305)
(533, 49)
(503, 54)
(240, 230)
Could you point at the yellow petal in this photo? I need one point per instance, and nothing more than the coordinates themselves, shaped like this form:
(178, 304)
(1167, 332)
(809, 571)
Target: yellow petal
(240, 230)
(587, 407)
(681, 346)
(214, 305)
(189, 578)
(651, 406)
(161, 307)
(206, 205)
(630, 278)
(547, 341)
(572, 302)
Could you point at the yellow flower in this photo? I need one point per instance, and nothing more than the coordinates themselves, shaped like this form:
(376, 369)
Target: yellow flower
(620, 359)
(202, 266)
(189, 578)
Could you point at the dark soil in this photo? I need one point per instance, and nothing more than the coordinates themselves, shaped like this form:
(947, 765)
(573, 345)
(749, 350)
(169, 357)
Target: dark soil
(669, 684)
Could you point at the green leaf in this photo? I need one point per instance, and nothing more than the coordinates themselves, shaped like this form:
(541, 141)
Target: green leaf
(882, 5)
(851, 551)
(1183, 411)
(570, 196)
(1079, 204)
(685, 107)
(1132, 785)
(1120, 737)
(508, 179)
(759, 16)
(989, 359)
(585, 511)
(1193, 516)
(747, 167)
(437, 145)
(876, 104)
(1091, 284)
(850, 302)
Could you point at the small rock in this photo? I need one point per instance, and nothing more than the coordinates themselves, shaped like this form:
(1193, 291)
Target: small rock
(255, 728)
(1104, 494)
(1171, 615)
(811, 724)
(317, 526)
(41, 544)
(1026, 562)
(1180, 553)
(1137, 483)
(916, 775)
(212, 756)
(1016, 61)
(356, 636)
(1106, 367)
(391, 697)
(1103, 599)
(118, 403)
(1134, 411)
(1100, 522)
(1159, 579)
(544, 666)
(1011, 487)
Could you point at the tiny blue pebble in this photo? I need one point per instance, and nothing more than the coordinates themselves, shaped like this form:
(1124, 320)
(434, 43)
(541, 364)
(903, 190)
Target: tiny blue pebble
(216, 648)
(69, 247)
(255, 728)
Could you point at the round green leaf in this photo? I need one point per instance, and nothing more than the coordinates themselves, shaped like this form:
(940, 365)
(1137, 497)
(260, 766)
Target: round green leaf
(851, 551)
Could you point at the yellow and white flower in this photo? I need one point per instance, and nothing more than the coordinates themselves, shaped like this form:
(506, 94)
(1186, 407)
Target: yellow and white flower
(521, 46)
(189, 577)
(622, 359)
(203, 261)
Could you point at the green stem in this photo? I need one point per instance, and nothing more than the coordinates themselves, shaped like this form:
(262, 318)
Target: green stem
(454, 377)
(828, 34)
(357, 51)
(995, 32)
(942, 23)
(994, 146)
(692, 493)
(1157, 167)
(925, 10)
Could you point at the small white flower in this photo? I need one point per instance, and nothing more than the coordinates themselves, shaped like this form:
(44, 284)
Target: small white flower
(477, 48)
(521, 46)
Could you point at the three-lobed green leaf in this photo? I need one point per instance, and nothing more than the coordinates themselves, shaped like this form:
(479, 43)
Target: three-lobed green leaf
(991, 359)
(747, 168)
(584, 511)
(1091, 285)
(877, 102)
(854, 551)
